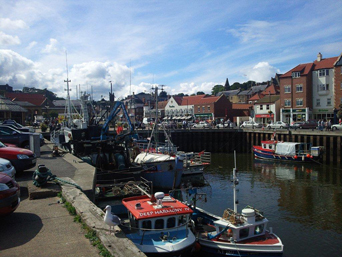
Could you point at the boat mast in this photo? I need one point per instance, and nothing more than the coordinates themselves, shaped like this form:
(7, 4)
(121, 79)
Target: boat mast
(68, 94)
(235, 183)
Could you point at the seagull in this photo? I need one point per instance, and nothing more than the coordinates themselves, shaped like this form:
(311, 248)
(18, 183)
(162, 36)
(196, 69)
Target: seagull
(110, 219)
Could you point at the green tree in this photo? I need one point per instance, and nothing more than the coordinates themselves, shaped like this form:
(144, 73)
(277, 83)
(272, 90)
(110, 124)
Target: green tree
(200, 93)
(216, 89)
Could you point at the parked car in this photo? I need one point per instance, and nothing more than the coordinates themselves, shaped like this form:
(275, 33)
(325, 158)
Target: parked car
(18, 126)
(9, 194)
(201, 124)
(277, 125)
(22, 159)
(16, 137)
(250, 124)
(7, 168)
(297, 124)
(336, 127)
(310, 124)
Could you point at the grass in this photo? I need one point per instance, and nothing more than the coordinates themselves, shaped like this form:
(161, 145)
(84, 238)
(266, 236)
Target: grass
(90, 233)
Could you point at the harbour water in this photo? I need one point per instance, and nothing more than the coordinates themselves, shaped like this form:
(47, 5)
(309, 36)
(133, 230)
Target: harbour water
(302, 202)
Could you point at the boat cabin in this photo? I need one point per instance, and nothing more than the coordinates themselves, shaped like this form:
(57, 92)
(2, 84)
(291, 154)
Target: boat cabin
(155, 215)
(238, 227)
(270, 144)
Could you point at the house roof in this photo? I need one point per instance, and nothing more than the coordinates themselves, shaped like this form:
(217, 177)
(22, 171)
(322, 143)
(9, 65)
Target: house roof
(327, 63)
(229, 92)
(62, 103)
(36, 99)
(199, 99)
(24, 104)
(304, 70)
(8, 105)
(269, 99)
(256, 97)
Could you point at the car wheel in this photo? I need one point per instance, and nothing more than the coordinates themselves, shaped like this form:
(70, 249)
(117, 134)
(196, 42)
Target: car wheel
(334, 128)
(252, 127)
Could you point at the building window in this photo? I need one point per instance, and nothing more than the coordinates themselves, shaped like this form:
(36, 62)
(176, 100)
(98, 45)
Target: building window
(261, 107)
(341, 86)
(299, 101)
(267, 107)
(287, 89)
(323, 73)
(318, 102)
(323, 87)
(287, 102)
(208, 108)
(296, 74)
(198, 109)
(328, 101)
(299, 88)
(203, 108)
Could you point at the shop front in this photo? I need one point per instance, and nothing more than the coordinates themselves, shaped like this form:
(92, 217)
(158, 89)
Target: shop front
(293, 115)
(264, 118)
(323, 114)
(204, 116)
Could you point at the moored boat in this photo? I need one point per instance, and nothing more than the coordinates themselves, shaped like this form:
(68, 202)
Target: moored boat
(158, 225)
(235, 234)
(287, 151)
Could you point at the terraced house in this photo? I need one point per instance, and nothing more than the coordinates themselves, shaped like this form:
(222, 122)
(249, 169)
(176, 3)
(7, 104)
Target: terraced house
(311, 90)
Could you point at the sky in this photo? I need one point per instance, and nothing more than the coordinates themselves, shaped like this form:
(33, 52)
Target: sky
(187, 46)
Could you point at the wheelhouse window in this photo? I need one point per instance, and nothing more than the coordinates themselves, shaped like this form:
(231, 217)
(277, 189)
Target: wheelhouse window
(296, 74)
(287, 89)
(146, 224)
(287, 102)
(299, 88)
(159, 224)
(244, 232)
(299, 101)
(181, 220)
(258, 229)
(323, 73)
(171, 222)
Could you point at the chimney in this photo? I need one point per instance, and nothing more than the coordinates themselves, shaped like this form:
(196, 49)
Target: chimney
(319, 57)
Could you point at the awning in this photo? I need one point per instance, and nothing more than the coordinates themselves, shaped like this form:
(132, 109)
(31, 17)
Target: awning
(264, 116)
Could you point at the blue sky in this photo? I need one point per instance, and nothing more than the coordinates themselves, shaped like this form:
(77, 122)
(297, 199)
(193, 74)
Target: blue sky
(188, 46)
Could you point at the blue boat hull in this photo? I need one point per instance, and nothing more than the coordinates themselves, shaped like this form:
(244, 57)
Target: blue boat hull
(259, 154)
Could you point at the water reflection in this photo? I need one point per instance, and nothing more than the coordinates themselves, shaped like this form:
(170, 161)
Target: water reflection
(302, 201)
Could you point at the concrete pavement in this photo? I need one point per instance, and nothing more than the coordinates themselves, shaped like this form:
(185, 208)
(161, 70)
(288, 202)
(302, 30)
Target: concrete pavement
(44, 227)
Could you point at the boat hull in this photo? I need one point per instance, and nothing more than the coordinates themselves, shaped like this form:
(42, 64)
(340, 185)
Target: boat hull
(259, 153)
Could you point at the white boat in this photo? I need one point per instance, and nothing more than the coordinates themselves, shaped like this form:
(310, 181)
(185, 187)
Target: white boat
(235, 234)
(158, 225)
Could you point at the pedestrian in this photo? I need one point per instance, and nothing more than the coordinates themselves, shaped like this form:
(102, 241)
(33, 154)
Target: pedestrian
(329, 125)
(340, 121)
(319, 124)
(322, 125)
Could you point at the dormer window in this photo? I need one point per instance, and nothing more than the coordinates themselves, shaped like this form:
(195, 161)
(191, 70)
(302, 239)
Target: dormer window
(323, 73)
(296, 74)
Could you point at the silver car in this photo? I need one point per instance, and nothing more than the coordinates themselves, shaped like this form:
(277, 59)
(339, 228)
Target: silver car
(278, 125)
(336, 127)
(250, 124)
(7, 168)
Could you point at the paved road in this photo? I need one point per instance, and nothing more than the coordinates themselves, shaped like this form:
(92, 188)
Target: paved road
(43, 227)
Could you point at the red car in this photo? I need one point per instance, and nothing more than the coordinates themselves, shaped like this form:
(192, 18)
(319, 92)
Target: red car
(22, 159)
(9, 194)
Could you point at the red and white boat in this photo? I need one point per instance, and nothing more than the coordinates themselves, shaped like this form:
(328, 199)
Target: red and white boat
(158, 225)
(235, 234)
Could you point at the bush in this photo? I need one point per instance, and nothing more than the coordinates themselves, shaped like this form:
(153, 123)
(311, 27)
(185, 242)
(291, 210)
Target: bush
(43, 127)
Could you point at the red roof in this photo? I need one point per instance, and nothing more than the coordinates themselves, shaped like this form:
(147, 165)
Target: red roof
(36, 99)
(199, 99)
(327, 63)
(147, 209)
(304, 70)
(256, 97)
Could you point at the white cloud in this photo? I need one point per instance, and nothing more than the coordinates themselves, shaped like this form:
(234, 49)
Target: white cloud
(31, 45)
(53, 47)
(8, 39)
(261, 72)
(8, 24)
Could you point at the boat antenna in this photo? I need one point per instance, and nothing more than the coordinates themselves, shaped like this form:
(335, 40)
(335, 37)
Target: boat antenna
(235, 183)
(68, 90)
